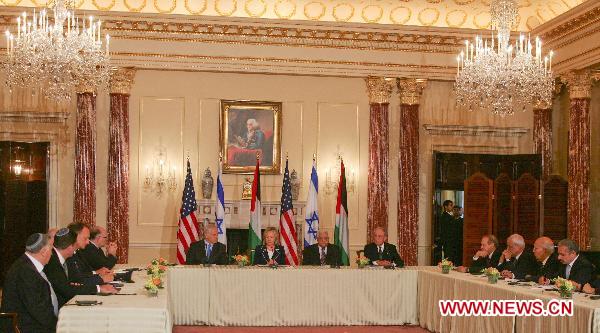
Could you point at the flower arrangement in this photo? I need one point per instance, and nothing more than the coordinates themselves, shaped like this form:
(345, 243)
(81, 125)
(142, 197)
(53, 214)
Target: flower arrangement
(152, 287)
(565, 287)
(362, 261)
(157, 267)
(155, 270)
(241, 259)
(446, 265)
(492, 274)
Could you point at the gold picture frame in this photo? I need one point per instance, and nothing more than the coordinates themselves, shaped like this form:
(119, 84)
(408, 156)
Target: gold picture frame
(248, 128)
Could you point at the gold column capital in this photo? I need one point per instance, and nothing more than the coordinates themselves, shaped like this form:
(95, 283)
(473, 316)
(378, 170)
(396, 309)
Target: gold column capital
(411, 90)
(379, 89)
(541, 105)
(579, 82)
(121, 80)
(85, 87)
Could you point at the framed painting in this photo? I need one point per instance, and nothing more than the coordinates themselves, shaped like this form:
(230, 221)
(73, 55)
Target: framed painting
(250, 129)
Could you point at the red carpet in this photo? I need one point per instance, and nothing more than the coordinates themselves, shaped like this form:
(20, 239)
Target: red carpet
(326, 329)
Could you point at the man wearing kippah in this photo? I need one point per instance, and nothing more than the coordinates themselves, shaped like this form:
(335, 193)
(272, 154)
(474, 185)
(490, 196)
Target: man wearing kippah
(58, 271)
(27, 290)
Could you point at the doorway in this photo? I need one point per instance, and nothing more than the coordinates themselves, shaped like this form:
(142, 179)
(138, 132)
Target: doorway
(23, 197)
(451, 170)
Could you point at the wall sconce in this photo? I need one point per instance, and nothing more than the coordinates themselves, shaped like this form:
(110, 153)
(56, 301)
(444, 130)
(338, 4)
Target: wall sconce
(160, 176)
(332, 178)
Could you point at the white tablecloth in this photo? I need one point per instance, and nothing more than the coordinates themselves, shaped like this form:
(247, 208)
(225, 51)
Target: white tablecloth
(118, 313)
(434, 286)
(292, 296)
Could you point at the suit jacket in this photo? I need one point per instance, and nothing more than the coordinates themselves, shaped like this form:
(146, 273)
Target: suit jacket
(60, 282)
(550, 270)
(525, 265)
(389, 253)
(81, 272)
(596, 285)
(312, 256)
(451, 237)
(581, 272)
(261, 255)
(96, 258)
(28, 294)
(196, 254)
(485, 262)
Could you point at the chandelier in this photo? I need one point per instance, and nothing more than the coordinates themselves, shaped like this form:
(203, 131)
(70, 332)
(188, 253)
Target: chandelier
(500, 77)
(56, 54)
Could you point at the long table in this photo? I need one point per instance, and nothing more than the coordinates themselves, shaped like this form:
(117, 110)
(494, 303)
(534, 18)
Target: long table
(435, 286)
(118, 313)
(253, 296)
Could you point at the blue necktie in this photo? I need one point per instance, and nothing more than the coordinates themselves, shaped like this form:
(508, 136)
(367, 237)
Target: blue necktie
(208, 251)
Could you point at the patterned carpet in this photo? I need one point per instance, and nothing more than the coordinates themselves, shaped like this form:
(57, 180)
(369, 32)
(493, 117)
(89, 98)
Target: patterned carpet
(328, 329)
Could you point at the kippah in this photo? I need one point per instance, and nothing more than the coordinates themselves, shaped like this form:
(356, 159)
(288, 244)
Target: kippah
(34, 241)
(62, 232)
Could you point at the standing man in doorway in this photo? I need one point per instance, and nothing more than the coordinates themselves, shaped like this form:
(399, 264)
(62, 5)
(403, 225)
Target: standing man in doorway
(451, 234)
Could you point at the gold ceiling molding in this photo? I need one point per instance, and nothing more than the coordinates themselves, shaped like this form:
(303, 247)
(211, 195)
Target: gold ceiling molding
(437, 13)
(121, 80)
(579, 82)
(573, 25)
(411, 90)
(427, 41)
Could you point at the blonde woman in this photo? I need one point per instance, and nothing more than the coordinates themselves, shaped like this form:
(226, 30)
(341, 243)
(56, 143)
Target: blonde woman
(270, 253)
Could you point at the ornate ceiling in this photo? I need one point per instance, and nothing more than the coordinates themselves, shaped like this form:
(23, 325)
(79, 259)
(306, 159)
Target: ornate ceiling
(473, 14)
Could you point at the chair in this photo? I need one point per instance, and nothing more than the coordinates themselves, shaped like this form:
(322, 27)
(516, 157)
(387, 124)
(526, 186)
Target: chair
(15, 320)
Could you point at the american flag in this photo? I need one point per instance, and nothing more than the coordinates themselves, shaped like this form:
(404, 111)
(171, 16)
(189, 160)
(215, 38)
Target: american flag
(287, 228)
(188, 223)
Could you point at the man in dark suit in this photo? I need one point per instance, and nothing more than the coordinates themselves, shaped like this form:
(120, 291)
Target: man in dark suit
(574, 267)
(27, 290)
(488, 255)
(381, 253)
(208, 250)
(592, 287)
(79, 270)
(57, 270)
(451, 233)
(322, 253)
(515, 262)
(548, 264)
(93, 253)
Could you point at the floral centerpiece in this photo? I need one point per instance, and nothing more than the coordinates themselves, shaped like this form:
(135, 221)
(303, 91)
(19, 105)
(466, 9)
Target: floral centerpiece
(565, 287)
(492, 274)
(157, 267)
(151, 287)
(362, 261)
(446, 265)
(155, 271)
(241, 259)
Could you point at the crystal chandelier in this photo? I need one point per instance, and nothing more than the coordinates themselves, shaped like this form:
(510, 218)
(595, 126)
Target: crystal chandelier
(501, 77)
(56, 54)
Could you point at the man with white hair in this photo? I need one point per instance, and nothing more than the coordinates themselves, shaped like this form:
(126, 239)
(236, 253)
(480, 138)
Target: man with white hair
(322, 253)
(382, 253)
(548, 265)
(27, 290)
(515, 262)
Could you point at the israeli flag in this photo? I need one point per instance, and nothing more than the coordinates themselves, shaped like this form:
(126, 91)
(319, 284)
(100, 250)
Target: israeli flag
(220, 207)
(312, 210)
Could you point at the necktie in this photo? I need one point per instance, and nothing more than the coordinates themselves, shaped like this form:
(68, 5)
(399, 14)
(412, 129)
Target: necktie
(322, 255)
(64, 265)
(568, 272)
(208, 251)
(52, 294)
(380, 251)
